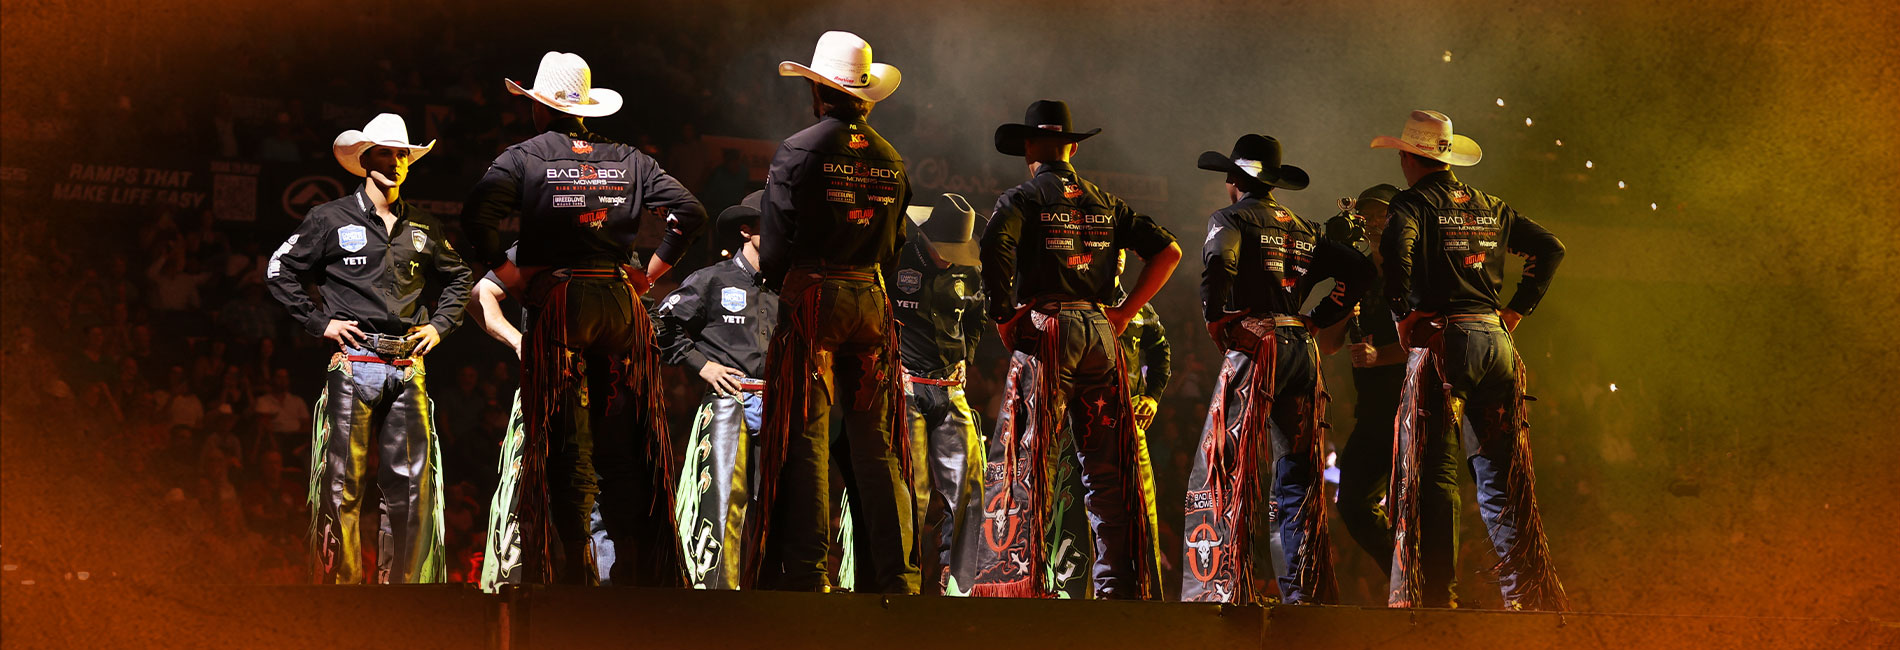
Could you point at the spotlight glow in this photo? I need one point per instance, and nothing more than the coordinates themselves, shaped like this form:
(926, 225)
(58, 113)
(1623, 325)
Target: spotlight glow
(1527, 121)
(1612, 388)
(1621, 185)
(1652, 207)
(1448, 56)
(1560, 143)
(1589, 165)
(1500, 101)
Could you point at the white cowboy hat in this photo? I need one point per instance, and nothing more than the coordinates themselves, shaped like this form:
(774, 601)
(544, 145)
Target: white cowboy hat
(1428, 134)
(565, 83)
(843, 61)
(387, 130)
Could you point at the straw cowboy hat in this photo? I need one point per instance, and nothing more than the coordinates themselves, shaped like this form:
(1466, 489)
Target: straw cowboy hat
(1428, 134)
(386, 130)
(1258, 157)
(842, 61)
(565, 83)
(1045, 118)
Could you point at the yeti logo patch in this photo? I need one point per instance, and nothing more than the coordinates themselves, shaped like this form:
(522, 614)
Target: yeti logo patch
(352, 238)
(732, 298)
(909, 280)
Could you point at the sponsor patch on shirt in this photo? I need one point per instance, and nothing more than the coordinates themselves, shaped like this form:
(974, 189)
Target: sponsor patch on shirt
(583, 146)
(570, 201)
(1460, 196)
(1282, 216)
(596, 219)
(909, 280)
(858, 141)
(841, 196)
(611, 200)
(1071, 190)
(1058, 244)
(420, 240)
(352, 238)
(732, 298)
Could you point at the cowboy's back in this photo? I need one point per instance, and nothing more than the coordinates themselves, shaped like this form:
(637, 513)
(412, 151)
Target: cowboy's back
(581, 196)
(1444, 249)
(835, 195)
(1262, 258)
(1058, 234)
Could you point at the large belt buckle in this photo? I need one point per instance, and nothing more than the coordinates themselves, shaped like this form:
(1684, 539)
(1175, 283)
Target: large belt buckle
(390, 346)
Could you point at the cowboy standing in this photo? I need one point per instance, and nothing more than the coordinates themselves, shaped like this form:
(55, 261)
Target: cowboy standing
(1263, 434)
(1378, 369)
(590, 386)
(832, 220)
(372, 256)
(936, 288)
(718, 324)
(1444, 269)
(1147, 354)
(1049, 266)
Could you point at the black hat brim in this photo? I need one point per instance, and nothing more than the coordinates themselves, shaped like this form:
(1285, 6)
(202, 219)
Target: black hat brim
(1010, 137)
(1285, 176)
(731, 218)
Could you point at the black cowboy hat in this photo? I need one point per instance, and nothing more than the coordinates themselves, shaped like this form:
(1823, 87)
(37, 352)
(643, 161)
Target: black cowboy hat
(1047, 118)
(1382, 193)
(950, 230)
(745, 213)
(1257, 157)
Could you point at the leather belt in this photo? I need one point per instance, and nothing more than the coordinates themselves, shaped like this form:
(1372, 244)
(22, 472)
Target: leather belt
(1055, 305)
(1491, 319)
(936, 382)
(1291, 321)
(388, 345)
(855, 273)
(399, 362)
(751, 384)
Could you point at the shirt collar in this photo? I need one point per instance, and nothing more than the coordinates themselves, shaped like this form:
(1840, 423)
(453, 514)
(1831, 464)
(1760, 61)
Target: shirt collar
(1439, 177)
(566, 125)
(1062, 167)
(368, 207)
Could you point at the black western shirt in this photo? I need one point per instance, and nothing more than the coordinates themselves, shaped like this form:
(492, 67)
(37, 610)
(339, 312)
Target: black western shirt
(581, 198)
(1444, 249)
(367, 273)
(941, 308)
(1260, 258)
(1146, 352)
(835, 195)
(1375, 316)
(721, 313)
(1057, 235)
